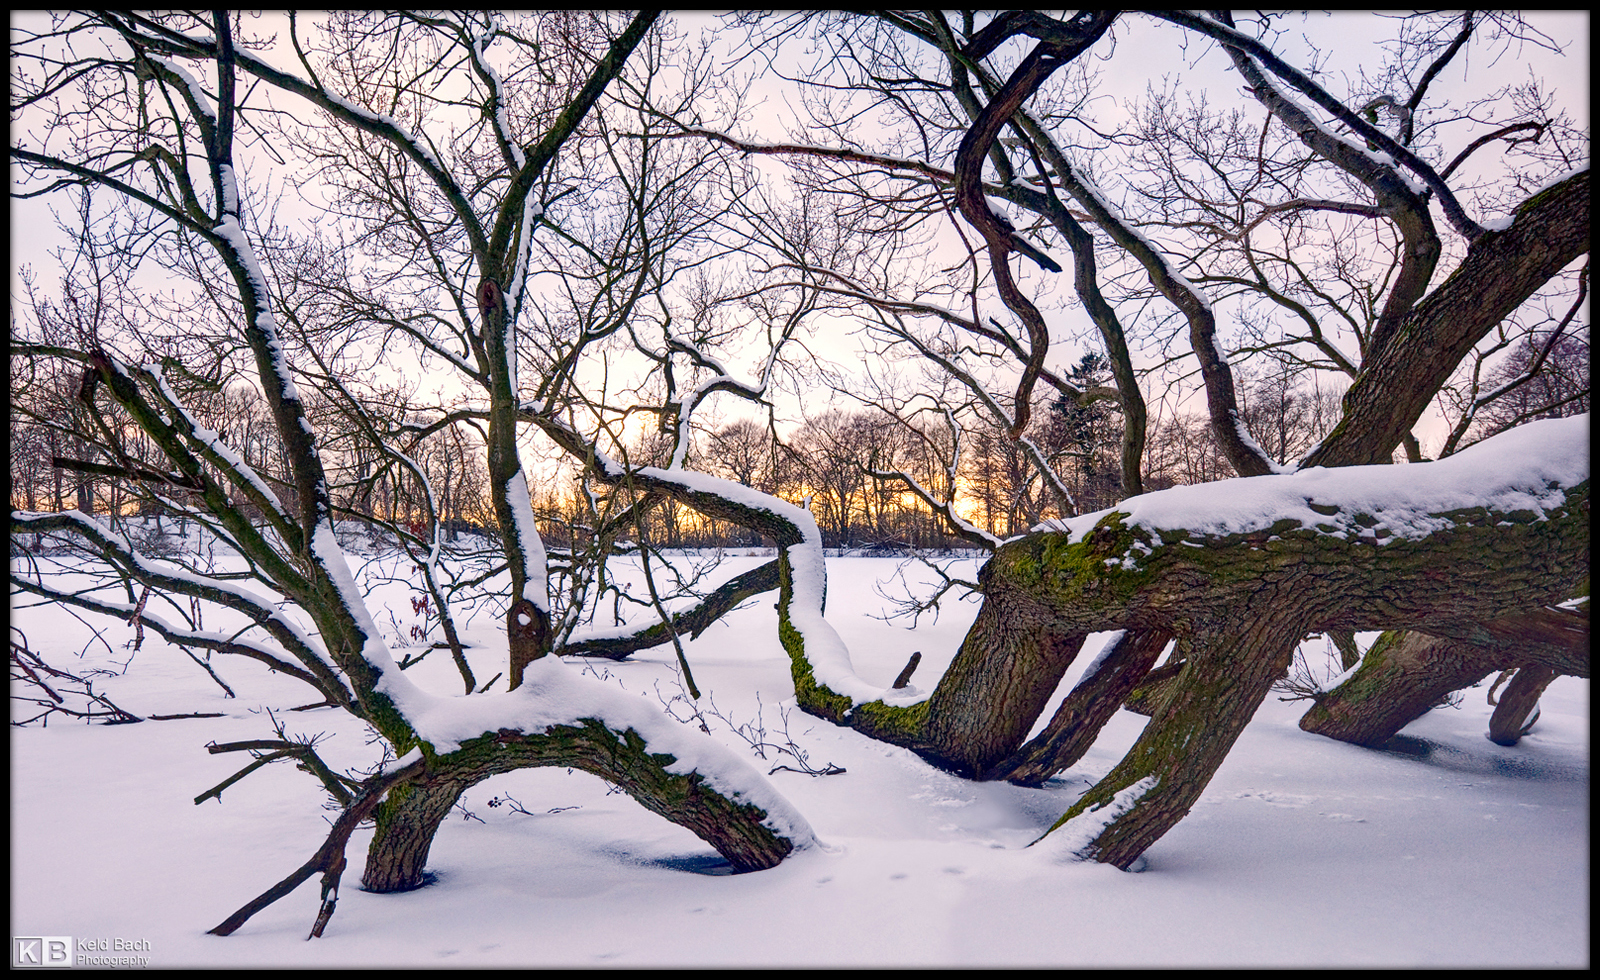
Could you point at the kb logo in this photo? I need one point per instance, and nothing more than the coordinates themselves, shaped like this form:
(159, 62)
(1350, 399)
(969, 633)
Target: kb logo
(34, 951)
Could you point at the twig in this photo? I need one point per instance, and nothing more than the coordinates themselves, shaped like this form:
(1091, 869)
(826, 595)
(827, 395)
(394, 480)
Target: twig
(328, 859)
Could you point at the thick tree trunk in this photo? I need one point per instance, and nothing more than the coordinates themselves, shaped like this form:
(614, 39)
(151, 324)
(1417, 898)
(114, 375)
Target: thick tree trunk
(1241, 602)
(1501, 270)
(1009, 665)
(1240, 598)
(1511, 719)
(1086, 709)
(1405, 673)
(406, 822)
(1227, 675)
(1403, 676)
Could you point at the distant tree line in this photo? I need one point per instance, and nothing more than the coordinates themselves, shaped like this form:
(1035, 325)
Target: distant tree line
(838, 460)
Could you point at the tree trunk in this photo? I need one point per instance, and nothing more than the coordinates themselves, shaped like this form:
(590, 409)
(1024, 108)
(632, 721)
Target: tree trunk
(1511, 719)
(527, 635)
(1226, 677)
(1008, 666)
(1243, 601)
(406, 822)
(1151, 693)
(1500, 271)
(1403, 676)
(1241, 598)
(410, 817)
(1085, 710)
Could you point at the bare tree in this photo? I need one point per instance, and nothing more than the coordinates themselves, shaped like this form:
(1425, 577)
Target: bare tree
(1321, 216)
(161, 114)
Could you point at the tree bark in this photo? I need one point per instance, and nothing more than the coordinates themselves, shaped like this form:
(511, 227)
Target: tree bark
(410, 816)
(1402, 677)
(1501, 270)
(1227, 675)
(406, 822)
(1086, 709)
(1241, 603)
(1511, 719)
(1406, 673)
(1152, 691)
(1009, 664)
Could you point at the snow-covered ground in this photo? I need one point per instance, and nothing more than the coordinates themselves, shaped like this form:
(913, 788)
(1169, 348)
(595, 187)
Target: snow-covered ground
(1303, 851)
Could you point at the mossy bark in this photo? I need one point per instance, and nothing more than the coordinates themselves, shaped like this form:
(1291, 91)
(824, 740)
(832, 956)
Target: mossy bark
(1084, 711)
(1406, 673)
(405, 824)
(1240, 604)
(1155, 689)
(1007, 668)
(409, 817)
(1400, 679)
(1228, 674)
(897, 725)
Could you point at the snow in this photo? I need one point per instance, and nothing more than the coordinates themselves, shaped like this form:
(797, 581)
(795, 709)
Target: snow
(1243, 433)
(1070, 839)
(1301, 852)
(1558, 178)
(827, 653)
(1097, 660)
(228, 229)
(1524, 469)
(555, 693)
(387, 121)
(537, 589)
(202, 101)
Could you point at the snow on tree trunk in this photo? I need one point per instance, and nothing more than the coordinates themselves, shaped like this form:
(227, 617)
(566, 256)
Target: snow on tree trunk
(748, 824)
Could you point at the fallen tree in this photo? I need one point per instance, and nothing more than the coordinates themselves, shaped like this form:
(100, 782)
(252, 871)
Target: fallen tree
(1318, 228)
(1238, 572)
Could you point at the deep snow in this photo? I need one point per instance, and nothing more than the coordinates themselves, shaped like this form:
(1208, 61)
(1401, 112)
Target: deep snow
(1303, 851)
